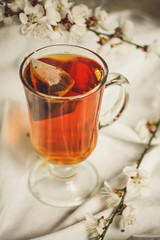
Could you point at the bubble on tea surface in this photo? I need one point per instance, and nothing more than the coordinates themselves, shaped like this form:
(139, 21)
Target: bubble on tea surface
(49, 79)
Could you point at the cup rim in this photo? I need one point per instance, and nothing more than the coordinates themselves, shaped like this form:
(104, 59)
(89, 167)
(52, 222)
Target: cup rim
(43, 95)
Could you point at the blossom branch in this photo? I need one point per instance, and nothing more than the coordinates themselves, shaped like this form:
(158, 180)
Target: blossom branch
(52, 19)
(121, 207)
(112, 35)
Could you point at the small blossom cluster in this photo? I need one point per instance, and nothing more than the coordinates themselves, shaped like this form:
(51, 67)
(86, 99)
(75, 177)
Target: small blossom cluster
(94, 226)
(51, 18)
(145, 128)
(55, 19)
(137, 184)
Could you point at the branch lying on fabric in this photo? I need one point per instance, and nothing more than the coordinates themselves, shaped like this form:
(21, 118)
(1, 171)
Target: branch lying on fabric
(137, 179)
(52, 19)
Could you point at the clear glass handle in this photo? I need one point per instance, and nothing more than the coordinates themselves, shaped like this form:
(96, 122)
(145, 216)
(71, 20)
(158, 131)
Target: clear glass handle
(111, 115)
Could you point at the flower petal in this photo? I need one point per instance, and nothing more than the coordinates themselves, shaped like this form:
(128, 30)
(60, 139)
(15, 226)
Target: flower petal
(77, 32)
(130, 171)
(23, 18)
(102, 17)
(39, 10)
(91, 225)
(128, 217)
(142, 129)
(101, 225)
(53, 16)
(144, 173)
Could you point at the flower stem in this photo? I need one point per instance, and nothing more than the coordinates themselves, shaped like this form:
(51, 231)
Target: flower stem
(132, 43)
(115, 212)
(116, 36)
(110, 220)
(98, 33)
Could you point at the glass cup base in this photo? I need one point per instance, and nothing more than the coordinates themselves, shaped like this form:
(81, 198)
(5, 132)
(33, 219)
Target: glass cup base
(69, 188)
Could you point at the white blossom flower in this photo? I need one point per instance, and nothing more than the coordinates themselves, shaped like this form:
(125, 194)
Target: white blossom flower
(42, 30)
(77, 32)
(128, 217)
(138, 180)
(16, 5)
(27, 29)
(34, 22)
(65, 4)
(152, 50)
(79, 14)
(102, 17)
(94, 226)
(110, 198)
(31, 15)
(65, 8)
(52, 11)
(127, 28)
(142, 130)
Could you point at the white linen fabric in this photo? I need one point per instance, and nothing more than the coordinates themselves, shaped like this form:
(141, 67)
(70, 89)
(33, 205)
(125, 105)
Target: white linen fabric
(23, 217)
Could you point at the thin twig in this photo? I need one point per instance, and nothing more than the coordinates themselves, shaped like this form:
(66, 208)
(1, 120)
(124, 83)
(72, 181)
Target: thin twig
(114, 35)
(121, 203)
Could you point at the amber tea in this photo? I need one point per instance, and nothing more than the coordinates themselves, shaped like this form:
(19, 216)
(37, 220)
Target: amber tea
(63, 131)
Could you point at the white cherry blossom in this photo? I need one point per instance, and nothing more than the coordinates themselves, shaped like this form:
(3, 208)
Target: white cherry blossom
(128, 217)
(65, 8)
(42, 30)
(138, 181)
(52, 12)
(94, 226)
(34, 22)
(32, 14)
(57, 10)
(110, 198)
(65, 4)
(102, 17)
(142, 130)
(77, 32)
(79, 13)
(27, 29)
(127, 28)
(16, 5)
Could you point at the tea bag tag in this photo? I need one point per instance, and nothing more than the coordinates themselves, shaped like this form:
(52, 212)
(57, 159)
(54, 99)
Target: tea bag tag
(58, 81)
